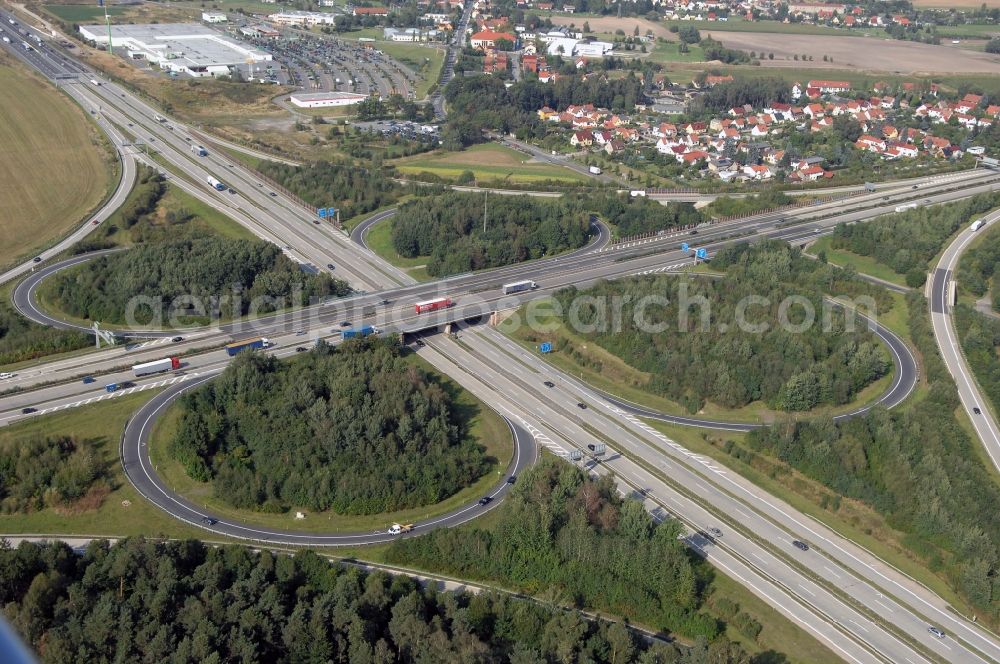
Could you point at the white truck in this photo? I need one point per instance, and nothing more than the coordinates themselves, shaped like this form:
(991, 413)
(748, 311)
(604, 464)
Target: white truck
(904, 208)
(199, 150)
(400, 528)
(977, 224)
(595, 170)
(159, 118)
(156, 366)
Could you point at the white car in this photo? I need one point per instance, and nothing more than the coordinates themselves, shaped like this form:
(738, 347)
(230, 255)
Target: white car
(5, 375)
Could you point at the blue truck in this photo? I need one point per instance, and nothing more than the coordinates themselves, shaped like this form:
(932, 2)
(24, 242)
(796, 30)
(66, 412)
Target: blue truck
(361, 332)
(246, 344)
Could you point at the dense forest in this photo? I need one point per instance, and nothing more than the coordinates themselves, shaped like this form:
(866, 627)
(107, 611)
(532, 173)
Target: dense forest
(980, 339)
(63, 473)
(917, 467)
(635, 216)
(356, 430)
(449, 229)
(977, 271)
(787, 369)
(346, 186)
(21, 340)
(560, 528)
(178, 602)
(188, 276)
(907, 241)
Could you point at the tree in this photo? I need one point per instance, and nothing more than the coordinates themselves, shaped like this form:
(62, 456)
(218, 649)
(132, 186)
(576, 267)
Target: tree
(993, 45)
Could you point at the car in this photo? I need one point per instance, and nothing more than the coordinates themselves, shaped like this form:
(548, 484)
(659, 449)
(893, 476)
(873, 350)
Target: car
(511, 479)
(936, 631)
(28, 410)
(208, 521)
(36, 259)
(914, 187)
(486, 500)
(274, 195)
(130, 124)
(715, 532)
(300, 349)
(927, 201)
(95, 222)
(885, 198)
(801, 546)
(345, 323)
(87, 380)
(420, 343)
(386, 302)
(7, 374)
(975, 409)
(592, 447)
(232, 191)
(549, 383)
(331, 266)
(694, 231)
(176, 339)
(316, 221)
(581, 405)
(300, 333)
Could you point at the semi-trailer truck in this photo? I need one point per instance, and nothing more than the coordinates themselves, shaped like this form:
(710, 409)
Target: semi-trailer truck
(215, 184)
(519, 286)
(199, 150)
(157, 366)
(433, 305)
(114, 387)
(365, 331)
(247, 344)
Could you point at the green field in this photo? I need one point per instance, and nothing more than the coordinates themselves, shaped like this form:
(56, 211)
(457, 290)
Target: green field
(490, 164)
(863, 264)
(426, 61)
(379, 240)
(739, 25)
(83, 13)
(124, 511)
(976, 30)
(664, 52)
(486, 426)
(55, 168)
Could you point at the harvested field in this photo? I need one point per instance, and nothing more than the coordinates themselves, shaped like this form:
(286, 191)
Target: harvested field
(956, 4)
(55, 166)
(611, 23)
(861, 53)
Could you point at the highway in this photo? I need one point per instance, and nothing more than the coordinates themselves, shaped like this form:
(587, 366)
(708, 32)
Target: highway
(835, 577)
(948, 343)
(858, 605)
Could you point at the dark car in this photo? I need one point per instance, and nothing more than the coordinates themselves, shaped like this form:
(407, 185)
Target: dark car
(274, 194)
(486, 500)
(581, 405)
(331, 266)
(511, 479)
(977, 411)
(176, 339)
(420, 342)
(87, 380)
(549, 383)
(232, 191)
(28, 411)
(801, 546)
(345, 323)
(36, 259)
(914, 187)
(592, 447)
(694, 231)
(208, 521)
(300, 349)
(96, 221)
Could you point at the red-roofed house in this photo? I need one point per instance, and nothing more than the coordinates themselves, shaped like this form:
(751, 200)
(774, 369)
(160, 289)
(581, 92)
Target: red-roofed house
(370, 11)
(830, 87)
(489, 39)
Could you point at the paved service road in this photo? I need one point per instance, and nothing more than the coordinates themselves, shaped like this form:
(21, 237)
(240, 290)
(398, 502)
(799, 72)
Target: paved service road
(951, 351)
(141, 473)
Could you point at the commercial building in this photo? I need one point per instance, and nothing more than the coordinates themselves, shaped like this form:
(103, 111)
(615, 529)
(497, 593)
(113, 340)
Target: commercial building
(489, 38)
(214, 17)
(181, 48)
(325, 99)
(410, 34)
(305, 19)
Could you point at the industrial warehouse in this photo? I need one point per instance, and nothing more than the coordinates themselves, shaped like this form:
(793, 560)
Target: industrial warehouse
(182, 48)
(325, 99)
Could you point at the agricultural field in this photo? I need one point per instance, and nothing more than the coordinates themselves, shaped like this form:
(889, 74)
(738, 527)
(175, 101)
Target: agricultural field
(669, 51)
(55, 167)
(862, 53)
(83, 13)
(489, 164)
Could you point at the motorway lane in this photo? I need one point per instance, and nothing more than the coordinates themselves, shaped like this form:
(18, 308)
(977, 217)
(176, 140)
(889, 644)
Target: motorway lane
(141, 473)
(969, 391)
(558, 422)
(838, 562)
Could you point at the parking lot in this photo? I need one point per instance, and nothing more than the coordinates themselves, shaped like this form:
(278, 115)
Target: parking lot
(413, 131)
(322, 64)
